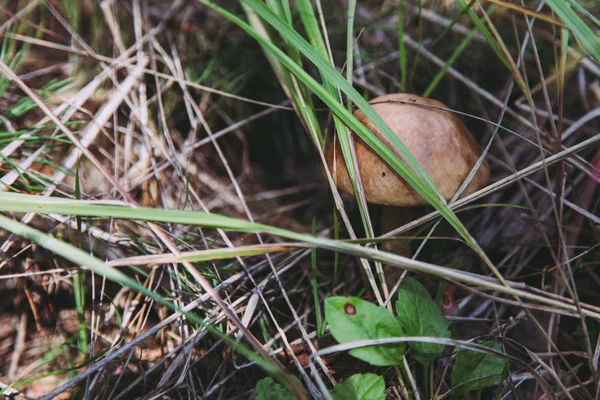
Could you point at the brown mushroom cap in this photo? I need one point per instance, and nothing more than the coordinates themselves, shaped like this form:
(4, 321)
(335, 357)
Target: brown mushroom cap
(437, 138)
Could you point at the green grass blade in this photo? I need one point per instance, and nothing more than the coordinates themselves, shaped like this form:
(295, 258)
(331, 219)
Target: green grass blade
(312, 28)
(496, 42)
(489, 37)
(415, 62)
(584, 34)
(16, 202)
(402, 46)
(301, 100)
(453, 57)
(316, 38)
(315, 287)
(350, 44)
(585, 12)
(79, 278)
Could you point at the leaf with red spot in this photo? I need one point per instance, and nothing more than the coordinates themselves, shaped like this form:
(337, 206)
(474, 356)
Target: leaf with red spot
(352, 319)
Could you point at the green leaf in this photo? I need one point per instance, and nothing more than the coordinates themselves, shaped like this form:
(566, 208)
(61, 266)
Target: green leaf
(360, 387)
(268, 389)
(473, 370)
(352, 319)
(420, 316)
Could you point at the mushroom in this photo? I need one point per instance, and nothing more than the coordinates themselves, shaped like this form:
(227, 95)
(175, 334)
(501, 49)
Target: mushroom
(435, 136)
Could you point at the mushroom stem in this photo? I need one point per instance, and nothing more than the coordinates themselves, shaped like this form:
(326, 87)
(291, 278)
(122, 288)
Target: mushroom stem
(392, 218)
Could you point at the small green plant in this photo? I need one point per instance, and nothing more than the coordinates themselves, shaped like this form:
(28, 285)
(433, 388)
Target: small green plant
(357, 387)
(352, 319)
